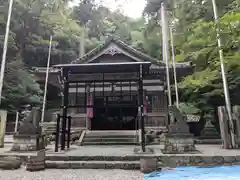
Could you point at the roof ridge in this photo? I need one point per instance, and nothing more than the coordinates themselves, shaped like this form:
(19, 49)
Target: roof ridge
(140, 52)
(113, 39)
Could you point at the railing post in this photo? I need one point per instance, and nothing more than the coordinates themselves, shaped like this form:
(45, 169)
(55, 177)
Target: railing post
(69, 131)
(57, 132)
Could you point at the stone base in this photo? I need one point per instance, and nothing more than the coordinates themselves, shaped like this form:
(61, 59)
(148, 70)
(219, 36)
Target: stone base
(148, 165)
(209, 132)
(24, 143)
(9, 163)
(177, 144)
(125, 165)
(138, 150)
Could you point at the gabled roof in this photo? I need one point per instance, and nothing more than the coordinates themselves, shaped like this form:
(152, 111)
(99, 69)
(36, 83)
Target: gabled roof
(120, 46)
(114, 44)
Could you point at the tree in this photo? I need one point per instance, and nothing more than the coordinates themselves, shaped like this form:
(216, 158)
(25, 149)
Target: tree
(192, 43)
(19, 87)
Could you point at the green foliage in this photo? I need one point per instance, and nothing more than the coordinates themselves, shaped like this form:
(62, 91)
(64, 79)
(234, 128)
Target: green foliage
(188, 108)
(19, 87)
(33, 21)
(195, 40)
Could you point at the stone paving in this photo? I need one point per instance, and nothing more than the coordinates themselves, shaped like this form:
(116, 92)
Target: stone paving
(75, 174)
(207, 154)
(205, 150)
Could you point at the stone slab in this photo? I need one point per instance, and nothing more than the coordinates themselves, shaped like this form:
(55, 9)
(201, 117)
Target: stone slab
(9, 163)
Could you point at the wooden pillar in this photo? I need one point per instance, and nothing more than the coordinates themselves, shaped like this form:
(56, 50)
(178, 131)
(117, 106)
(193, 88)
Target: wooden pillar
(141, 108)
(223, 122)
(145, 107)
(89, 113)
(236, 116)
(65, 104)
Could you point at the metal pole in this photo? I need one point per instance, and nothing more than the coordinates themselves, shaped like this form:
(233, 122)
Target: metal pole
(174, 67)
(46, 80)
(16, 122)
(69, 131)
(223, 72)
(5, 46)
(166, 49)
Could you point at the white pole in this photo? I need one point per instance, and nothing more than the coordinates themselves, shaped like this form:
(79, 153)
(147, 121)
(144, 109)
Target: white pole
(82, 46)
(174, 67)
(16, 122)
(46, 80)
(223, 72)
(5, 46)
(166, 49)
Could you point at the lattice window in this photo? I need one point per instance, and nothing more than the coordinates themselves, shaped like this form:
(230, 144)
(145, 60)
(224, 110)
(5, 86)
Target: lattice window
(158, 103)
(150, 103)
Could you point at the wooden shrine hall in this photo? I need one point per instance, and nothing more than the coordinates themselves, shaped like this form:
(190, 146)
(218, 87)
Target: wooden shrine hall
(116, 87)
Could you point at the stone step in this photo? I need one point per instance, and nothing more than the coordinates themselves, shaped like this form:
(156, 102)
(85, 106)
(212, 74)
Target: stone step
(109, 138)
(209, 137)
(105, 137)
(210, 134)
(84, 143)
(111, 133)
(97, 158)
(208, 141)
(123, 139)
(126, 165)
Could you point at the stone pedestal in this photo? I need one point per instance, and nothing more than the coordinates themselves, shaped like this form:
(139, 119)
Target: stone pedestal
(25, 142)
(29, 136)
(179, 144)
(148, 165)
(178, 139)
(138, 150)
(36, 163)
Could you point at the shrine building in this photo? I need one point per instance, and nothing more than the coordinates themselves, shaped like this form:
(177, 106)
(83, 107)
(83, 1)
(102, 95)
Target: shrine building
(110, 86)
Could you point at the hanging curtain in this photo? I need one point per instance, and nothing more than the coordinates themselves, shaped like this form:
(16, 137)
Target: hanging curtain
(90, 103)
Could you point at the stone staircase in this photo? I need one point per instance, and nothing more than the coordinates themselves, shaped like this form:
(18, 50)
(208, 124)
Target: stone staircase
(109, 138)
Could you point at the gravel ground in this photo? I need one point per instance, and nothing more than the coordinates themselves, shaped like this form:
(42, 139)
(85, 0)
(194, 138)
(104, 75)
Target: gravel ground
(71, 175)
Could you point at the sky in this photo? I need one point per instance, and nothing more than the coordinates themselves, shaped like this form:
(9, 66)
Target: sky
(131, 8)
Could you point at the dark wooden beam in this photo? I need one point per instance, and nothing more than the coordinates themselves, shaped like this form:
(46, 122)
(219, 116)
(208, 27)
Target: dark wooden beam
(64, 108)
